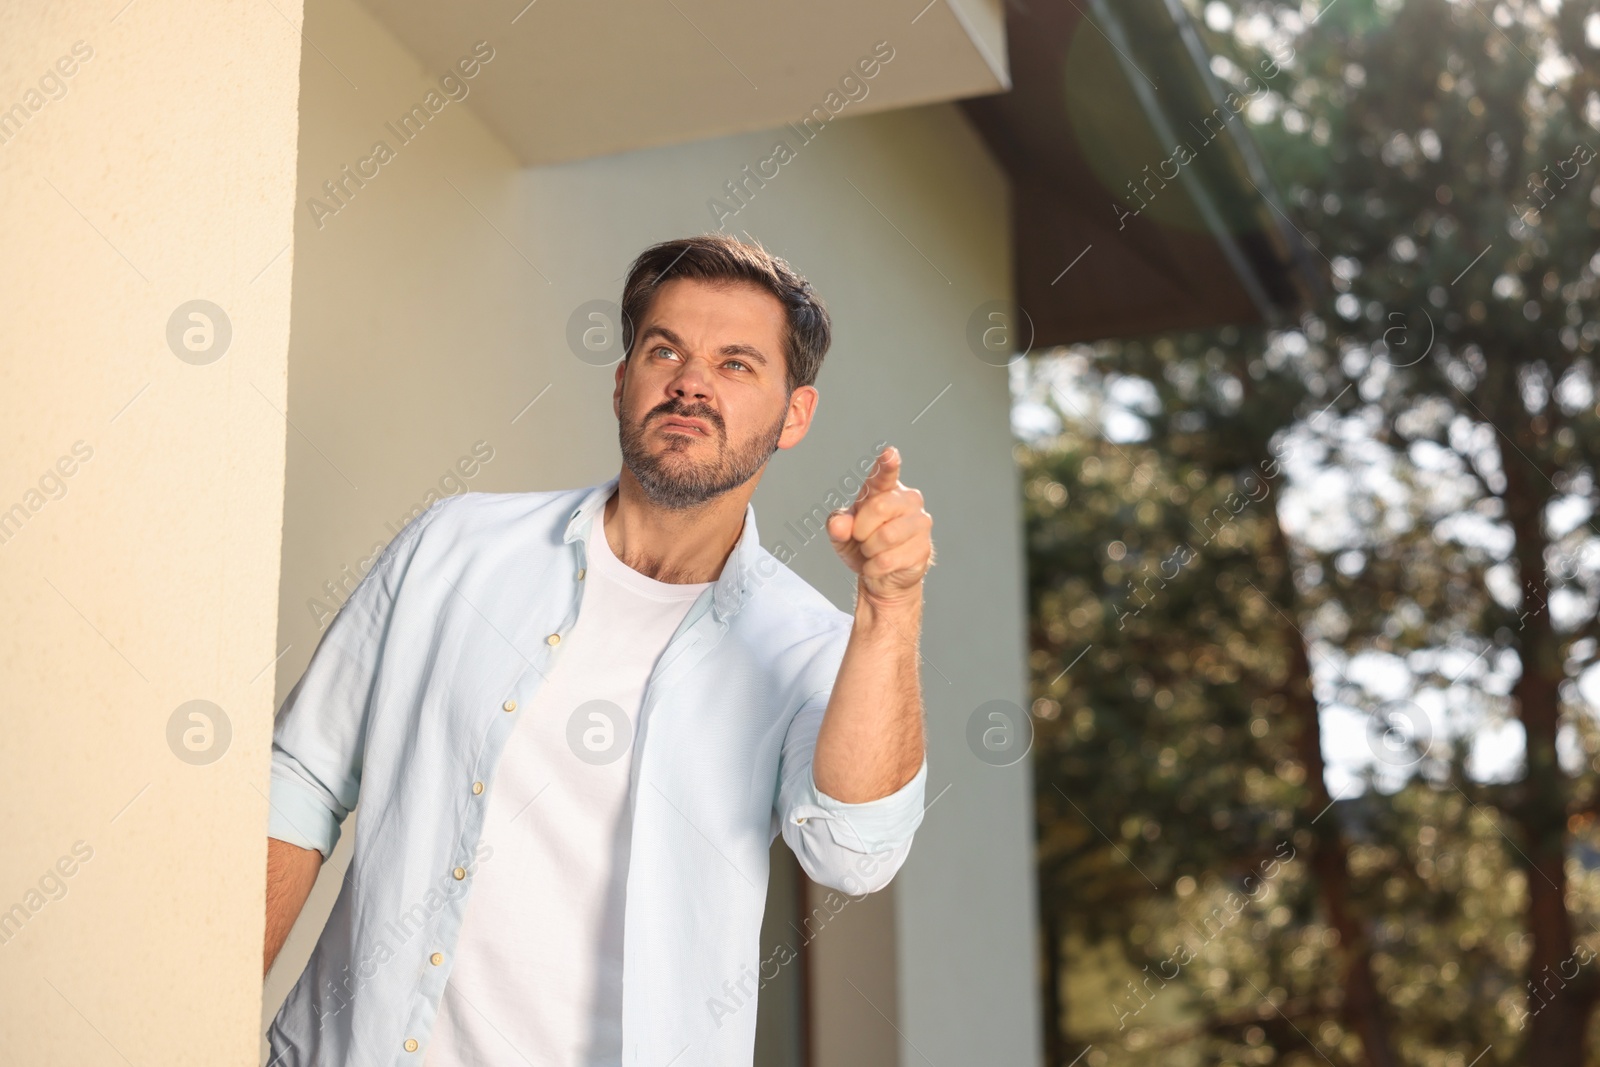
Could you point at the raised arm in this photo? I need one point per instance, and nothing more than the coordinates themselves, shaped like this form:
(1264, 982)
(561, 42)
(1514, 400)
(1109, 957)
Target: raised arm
(871, 739)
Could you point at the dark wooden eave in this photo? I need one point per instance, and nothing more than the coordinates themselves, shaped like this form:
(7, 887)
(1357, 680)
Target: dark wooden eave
(1101, 94)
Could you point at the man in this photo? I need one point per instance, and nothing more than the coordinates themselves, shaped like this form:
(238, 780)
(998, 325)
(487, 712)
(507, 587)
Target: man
(577, 720)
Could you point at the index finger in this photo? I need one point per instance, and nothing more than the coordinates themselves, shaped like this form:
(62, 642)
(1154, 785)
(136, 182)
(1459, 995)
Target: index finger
(884, 477)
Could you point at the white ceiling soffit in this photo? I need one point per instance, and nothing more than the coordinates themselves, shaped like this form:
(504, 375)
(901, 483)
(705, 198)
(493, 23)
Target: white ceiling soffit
(577, 78)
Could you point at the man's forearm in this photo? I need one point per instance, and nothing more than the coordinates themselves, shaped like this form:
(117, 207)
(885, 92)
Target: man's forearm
(291, 872)
(871, 739)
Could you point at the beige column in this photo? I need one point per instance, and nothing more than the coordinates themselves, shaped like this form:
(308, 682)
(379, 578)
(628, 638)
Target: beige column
(147, 169)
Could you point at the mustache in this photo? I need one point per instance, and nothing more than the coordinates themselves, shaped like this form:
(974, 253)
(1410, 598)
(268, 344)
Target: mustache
(687, 411)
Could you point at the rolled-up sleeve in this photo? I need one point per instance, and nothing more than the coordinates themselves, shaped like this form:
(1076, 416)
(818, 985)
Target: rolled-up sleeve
(319, 733)
(855, 848)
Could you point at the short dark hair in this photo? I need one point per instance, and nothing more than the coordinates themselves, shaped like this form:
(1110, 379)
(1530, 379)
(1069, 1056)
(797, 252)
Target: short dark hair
(720, 259)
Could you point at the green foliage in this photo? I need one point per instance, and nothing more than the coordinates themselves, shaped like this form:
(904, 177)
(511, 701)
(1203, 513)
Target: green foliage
(1429, 153)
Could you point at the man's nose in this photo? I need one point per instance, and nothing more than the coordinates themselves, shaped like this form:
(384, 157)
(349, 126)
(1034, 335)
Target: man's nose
(691, 381)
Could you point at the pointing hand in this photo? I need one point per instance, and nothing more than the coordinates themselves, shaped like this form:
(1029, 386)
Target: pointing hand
(884, 536)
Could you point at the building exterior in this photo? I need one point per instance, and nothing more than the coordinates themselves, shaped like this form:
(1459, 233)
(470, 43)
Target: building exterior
(277, 277)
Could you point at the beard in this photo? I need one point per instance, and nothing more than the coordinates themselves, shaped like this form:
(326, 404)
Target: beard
(671, 479)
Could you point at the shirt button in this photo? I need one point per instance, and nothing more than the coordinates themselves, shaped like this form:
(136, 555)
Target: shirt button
(460, 873)
(801, 819)
(510, 705)
(411, 1044)
(436, 959)
(477, 788)
(581, 572)
(553, 639)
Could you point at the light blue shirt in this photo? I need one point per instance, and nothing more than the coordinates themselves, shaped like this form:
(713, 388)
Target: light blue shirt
(409, 699)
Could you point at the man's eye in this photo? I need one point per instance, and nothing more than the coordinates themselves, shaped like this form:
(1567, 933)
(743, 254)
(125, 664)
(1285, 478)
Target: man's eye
(665, 349)
(736, 363)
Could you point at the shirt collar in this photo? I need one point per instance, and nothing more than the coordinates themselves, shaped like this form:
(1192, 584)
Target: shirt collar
(737, 578)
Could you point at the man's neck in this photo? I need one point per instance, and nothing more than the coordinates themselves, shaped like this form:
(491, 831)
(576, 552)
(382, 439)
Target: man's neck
(677, 546)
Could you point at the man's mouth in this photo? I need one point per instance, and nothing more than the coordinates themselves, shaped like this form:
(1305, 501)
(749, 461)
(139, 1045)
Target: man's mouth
(685, 426)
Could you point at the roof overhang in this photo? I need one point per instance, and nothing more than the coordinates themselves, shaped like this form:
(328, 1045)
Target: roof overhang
(1114, 236)
(573, 80)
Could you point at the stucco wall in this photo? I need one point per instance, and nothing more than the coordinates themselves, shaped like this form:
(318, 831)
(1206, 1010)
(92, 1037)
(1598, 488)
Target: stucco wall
(146, 161)
(432, 313)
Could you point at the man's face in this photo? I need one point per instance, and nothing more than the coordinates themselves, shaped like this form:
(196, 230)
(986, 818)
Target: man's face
(703, 400)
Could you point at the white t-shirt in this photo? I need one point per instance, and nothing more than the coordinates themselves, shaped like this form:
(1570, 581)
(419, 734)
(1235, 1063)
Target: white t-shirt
(538, 971)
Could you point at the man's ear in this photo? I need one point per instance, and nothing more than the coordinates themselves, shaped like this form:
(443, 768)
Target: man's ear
(802, 409)
(616, 392)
